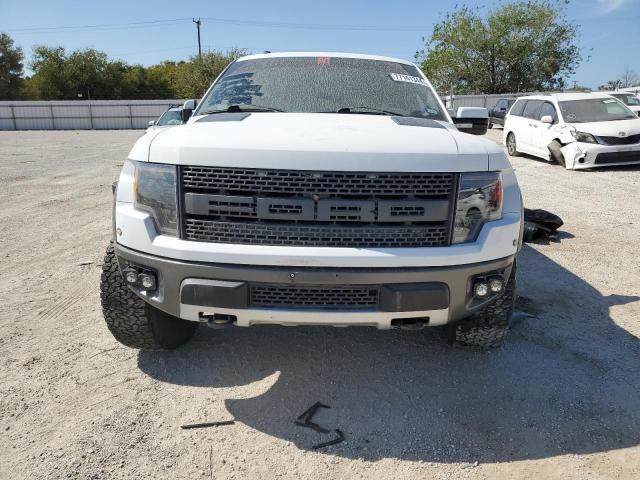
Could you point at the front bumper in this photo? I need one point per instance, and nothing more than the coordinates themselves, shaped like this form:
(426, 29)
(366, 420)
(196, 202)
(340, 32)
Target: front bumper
(580, 155)
(136, 230)
(200, 291)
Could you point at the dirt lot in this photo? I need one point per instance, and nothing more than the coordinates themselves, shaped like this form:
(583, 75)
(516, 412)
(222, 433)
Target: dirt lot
(560, 400)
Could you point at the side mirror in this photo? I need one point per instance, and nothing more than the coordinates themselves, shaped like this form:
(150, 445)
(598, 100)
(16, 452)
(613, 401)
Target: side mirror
(503, 109)
(187, 109)
(152, 123)
(474, 120)
(547, 119)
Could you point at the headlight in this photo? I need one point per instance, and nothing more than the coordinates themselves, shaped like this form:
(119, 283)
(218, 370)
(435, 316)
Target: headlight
(584, 137)
(479, 201)
(155, 193)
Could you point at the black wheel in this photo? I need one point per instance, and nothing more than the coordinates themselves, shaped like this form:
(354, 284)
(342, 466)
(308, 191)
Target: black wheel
(132, 321)
(490, 125)
(512, 147)
(488, 327)
(556, 153)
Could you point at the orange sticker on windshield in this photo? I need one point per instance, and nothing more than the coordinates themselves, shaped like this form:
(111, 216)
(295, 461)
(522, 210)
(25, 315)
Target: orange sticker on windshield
(324, 60)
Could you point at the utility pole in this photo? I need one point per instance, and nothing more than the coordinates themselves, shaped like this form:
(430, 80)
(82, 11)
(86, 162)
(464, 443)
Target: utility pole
(198, 22)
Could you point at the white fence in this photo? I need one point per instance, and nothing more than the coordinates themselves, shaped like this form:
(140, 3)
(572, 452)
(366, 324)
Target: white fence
(81, 114)
(126, 114)
(486, 101)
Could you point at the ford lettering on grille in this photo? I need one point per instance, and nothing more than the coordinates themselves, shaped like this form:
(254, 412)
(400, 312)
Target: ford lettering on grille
(322, 210)
(316, 208)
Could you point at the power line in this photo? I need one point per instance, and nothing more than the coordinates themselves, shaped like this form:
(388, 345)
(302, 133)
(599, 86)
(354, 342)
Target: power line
(311, 26)
(221, 21)
(255, 23)
(105, 26)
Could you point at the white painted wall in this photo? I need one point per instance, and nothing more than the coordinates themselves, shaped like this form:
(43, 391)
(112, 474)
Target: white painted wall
(80, 114)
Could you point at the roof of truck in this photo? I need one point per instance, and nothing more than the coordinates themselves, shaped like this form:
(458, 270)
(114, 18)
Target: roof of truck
(324, 54)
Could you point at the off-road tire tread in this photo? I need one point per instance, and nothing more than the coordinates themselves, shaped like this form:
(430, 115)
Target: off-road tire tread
(131, 320)
(488, 328)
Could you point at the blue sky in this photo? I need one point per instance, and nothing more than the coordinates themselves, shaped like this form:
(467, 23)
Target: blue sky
(609, 27)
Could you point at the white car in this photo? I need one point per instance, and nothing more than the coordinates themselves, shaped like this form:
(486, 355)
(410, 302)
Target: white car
(629, 99)
(577, 130)
(314, 189)
(170, 118)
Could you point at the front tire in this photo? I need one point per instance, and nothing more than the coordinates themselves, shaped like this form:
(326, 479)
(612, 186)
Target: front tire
(132, 321)
(487, 328)
(512, 147)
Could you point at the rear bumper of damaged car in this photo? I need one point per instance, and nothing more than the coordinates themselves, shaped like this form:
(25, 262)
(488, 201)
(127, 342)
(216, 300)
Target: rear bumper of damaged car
(579, 155)
(246, 295)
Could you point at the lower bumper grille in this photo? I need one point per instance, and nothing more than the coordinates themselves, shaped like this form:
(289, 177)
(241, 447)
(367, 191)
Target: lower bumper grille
(315, 236)
(617, 157)
(630, 140)
(324, 298)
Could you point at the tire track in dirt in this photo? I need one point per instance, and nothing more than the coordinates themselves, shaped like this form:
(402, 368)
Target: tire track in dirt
(66, 303)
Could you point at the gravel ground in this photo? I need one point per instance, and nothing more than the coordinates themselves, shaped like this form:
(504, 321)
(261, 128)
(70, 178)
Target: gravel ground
(560, 400)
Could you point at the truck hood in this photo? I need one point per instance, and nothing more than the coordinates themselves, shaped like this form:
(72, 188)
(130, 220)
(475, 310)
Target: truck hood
(315, 141)
(610, 129)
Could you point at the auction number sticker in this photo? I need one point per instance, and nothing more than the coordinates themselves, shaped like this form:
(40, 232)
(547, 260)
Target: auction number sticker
(400, 77)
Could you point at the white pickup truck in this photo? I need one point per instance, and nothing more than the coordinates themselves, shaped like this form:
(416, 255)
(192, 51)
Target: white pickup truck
(313, 189)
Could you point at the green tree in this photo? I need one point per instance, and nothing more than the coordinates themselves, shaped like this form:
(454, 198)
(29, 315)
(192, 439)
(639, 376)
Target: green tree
(49, 80)
(520, 46)
(10, 68)
(90, 74)
(165, 74)
(191, 79)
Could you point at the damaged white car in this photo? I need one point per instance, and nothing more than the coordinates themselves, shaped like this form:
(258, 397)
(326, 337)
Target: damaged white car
(577, 130)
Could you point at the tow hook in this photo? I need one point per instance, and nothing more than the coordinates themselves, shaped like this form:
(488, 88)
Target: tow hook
(410, 323)
(217, 320)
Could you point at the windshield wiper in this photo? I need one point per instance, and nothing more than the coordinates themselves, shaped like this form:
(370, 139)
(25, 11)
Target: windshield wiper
(369, 110)
(241, 108)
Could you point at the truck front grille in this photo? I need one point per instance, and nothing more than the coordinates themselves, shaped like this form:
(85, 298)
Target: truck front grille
(241, 181)
(322, 298)
(317, 209)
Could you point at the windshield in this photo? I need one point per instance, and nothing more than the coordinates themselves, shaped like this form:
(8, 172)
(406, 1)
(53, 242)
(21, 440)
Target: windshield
(627, 98)
(170, 117)
(594, 110)
(324, 84)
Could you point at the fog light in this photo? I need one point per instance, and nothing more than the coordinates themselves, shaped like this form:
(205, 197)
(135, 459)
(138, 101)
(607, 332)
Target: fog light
(131, 277)
(148, 282)
(480, 289)
(496, 285)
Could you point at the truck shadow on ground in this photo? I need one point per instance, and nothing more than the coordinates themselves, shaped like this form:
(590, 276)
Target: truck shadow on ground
(566, 382)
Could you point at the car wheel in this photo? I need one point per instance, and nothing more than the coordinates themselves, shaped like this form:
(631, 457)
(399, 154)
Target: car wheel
(556, 153)
(132, 321)
(512, 148)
